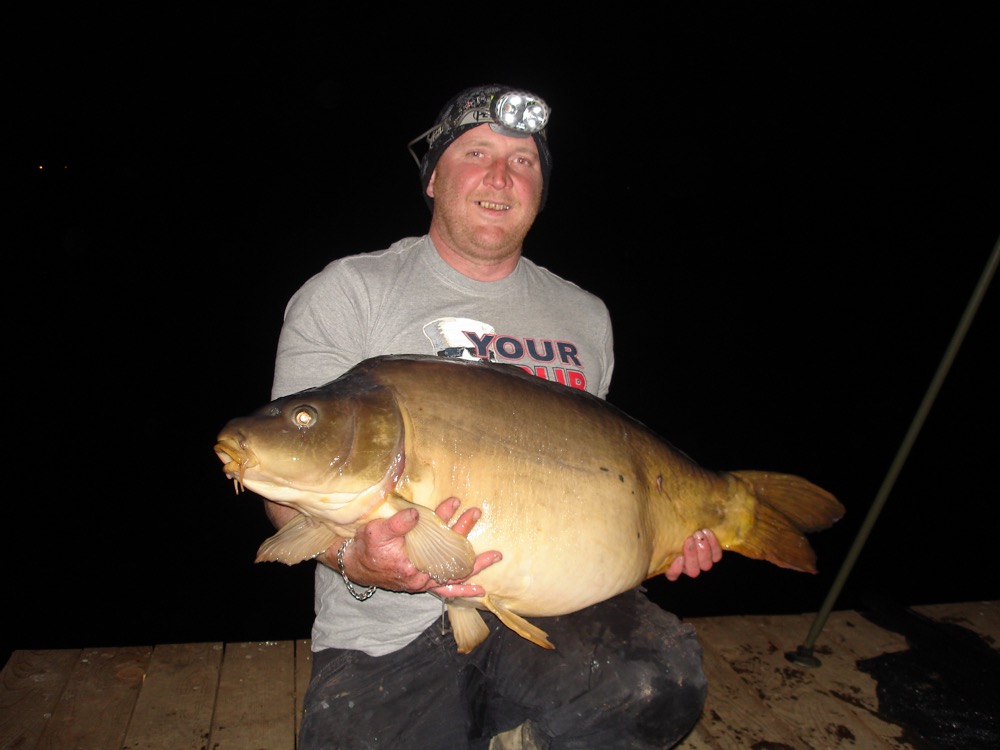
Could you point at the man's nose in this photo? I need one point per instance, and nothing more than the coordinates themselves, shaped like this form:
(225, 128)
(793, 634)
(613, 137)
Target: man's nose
(497, 175)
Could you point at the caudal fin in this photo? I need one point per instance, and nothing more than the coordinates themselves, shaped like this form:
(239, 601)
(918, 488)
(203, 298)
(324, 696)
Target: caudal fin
(788, 507)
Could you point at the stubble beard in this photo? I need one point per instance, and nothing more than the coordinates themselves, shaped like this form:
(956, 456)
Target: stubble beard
(478, 241)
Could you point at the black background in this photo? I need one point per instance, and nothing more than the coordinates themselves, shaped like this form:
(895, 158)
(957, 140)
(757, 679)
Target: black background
(787, 211)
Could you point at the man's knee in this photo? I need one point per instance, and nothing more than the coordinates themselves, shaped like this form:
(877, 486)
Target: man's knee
(662, 683)
(674, 707)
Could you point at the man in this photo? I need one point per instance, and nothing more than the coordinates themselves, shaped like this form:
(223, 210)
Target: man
(625, 673)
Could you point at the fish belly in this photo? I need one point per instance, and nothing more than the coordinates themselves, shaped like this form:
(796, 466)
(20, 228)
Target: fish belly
(568, 489)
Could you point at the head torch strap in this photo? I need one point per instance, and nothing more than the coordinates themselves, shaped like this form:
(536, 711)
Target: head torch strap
(415, 141)
(515, 113)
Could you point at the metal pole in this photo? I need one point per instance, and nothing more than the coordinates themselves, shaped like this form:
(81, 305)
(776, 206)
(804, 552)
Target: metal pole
(804, 654)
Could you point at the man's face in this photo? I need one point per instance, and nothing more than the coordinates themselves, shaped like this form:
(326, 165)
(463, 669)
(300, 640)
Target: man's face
(487, 188)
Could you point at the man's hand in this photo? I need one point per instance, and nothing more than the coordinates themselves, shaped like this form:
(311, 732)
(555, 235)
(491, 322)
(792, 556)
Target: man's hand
(378, 555)
(464, 524)
(701, 551)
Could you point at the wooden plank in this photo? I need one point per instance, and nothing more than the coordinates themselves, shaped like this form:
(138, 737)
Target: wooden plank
(755, 649)
(174, 710)
(857, 637)
(845, 638)
(735, 716)
(698, 738)
(140, 698)
(981, 617)
(93, 711)
(30, 686)
(303, 670)
(256, 700)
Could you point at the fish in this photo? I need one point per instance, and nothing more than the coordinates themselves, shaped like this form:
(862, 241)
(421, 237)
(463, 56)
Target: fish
(583, 500)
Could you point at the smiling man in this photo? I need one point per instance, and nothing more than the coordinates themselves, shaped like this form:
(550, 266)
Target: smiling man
(625, 673)
(486, 191)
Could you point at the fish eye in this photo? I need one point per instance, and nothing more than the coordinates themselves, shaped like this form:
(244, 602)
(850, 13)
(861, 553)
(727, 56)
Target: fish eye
(304, 416)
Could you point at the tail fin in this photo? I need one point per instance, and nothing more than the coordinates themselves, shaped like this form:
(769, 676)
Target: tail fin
(788, 507)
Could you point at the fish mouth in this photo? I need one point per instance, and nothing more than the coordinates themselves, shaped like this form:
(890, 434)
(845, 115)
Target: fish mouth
(237, 458)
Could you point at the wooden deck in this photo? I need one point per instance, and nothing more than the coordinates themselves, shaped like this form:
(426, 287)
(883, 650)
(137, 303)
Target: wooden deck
(243, 696)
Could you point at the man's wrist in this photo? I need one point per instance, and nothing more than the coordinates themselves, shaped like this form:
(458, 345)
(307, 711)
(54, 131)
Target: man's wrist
(360, 596)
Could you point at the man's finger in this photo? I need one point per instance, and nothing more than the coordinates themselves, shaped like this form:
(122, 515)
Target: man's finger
(676, 568)
(447, 508)
(708, 549)
(400, 523)
(456, 590)
(466, 521)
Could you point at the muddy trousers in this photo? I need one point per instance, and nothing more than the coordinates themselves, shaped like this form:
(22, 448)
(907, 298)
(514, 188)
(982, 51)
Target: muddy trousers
(624, 674)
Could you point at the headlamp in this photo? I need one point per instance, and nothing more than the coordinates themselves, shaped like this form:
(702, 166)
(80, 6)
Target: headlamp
(514, 113)
(520, 111)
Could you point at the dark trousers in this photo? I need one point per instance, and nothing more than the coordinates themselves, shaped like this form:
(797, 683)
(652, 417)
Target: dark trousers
(624, 674)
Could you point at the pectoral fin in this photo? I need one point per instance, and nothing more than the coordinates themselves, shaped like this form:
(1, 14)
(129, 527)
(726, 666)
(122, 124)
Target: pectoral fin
(468, 627)
(299, 539)
(434, 548)
(515, 622)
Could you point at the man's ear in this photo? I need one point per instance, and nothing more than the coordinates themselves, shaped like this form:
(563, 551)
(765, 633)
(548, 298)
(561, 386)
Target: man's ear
(430, 184)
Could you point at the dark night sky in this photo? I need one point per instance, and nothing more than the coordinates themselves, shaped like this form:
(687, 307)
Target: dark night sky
(786, 210)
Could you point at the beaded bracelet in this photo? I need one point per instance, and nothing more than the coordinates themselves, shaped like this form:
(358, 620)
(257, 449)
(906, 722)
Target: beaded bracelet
(350, 586)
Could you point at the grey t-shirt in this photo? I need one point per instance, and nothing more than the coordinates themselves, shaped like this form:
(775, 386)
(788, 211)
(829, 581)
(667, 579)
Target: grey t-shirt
(407, 300)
